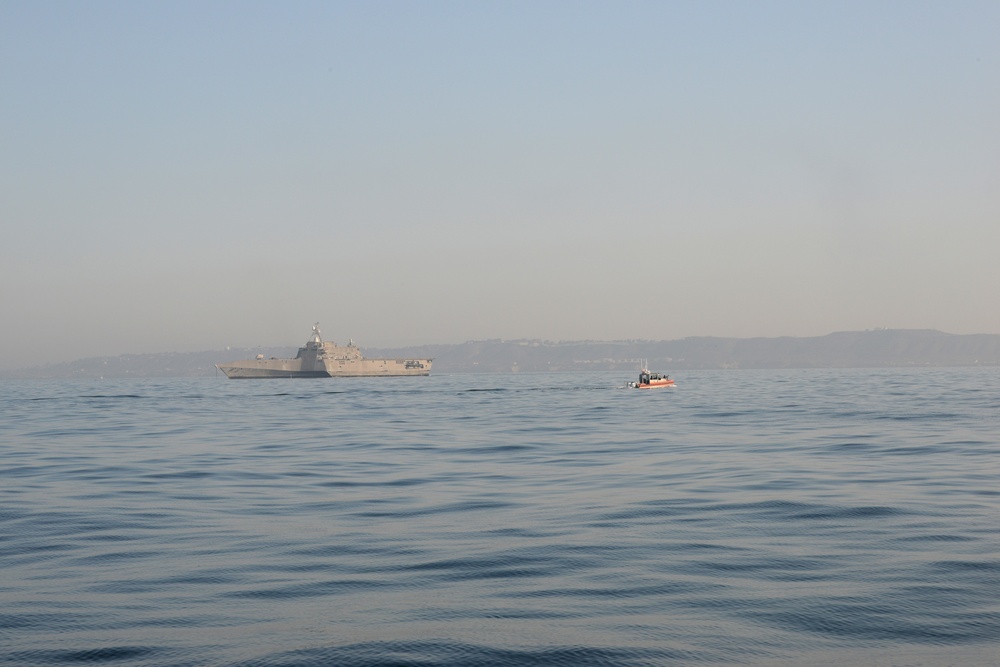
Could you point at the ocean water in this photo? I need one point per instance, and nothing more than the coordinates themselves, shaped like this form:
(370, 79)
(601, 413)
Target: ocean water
(840, 517)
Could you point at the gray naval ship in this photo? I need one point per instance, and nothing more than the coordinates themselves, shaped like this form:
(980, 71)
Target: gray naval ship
(321, 359)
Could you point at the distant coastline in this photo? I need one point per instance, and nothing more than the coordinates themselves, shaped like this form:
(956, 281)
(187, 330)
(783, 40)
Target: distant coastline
(849, 349)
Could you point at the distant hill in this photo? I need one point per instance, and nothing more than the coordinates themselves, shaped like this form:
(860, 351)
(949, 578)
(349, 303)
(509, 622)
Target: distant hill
(164, 364)
(852, 349)
(849, 349)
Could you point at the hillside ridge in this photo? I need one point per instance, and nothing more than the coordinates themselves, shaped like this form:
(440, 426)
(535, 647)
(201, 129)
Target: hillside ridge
(845, 349)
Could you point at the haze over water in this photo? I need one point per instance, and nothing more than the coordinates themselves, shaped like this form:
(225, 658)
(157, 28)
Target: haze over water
(186, 176)
(745, 517)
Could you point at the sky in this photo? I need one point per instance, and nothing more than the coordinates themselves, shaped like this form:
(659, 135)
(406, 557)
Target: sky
(180, 176)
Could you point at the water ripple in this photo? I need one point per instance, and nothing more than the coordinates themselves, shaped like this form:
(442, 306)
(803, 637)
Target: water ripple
(781, 517)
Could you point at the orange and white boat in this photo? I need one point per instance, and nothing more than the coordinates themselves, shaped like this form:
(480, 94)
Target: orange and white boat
(649, 380)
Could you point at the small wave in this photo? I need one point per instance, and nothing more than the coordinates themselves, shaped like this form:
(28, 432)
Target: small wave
(116, 654)
(437, 509)
(449, 654)
(312, 589)
(111, 396)
(870, 620)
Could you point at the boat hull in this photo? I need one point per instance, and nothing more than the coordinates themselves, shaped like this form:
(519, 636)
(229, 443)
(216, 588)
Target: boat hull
(655, 384)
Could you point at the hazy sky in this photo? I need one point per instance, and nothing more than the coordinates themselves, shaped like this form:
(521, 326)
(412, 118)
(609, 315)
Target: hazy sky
(189, 175)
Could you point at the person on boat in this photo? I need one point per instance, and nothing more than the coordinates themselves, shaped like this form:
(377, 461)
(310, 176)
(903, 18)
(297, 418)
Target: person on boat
(644, 377)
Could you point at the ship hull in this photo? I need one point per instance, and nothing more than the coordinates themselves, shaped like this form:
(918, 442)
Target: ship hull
(281, 368)
(244, 373)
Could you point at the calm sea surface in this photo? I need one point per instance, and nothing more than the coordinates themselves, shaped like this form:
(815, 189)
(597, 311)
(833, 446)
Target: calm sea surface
(745, 517)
